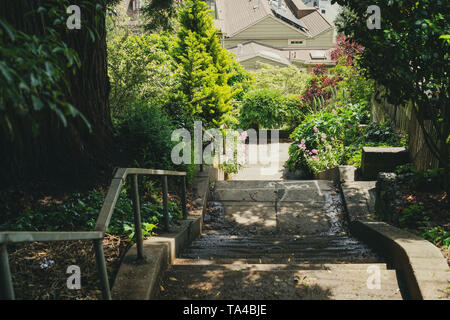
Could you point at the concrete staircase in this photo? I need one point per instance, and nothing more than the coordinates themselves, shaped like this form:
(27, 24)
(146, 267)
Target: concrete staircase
(277, 240)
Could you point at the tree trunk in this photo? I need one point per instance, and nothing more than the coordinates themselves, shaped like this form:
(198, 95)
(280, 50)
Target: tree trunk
(57, 151)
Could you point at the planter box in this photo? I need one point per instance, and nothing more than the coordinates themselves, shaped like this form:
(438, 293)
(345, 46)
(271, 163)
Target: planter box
(381, 159)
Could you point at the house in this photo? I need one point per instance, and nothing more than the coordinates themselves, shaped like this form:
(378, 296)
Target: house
(252, 54)
(329, 10)
(281, 32)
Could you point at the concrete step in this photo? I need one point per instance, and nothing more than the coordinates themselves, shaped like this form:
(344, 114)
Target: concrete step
(245, 184)
(189, 264)
(247, 247)
(277, 284)
(298, 254)
(225, 240)
(287, 259)
(271, 191)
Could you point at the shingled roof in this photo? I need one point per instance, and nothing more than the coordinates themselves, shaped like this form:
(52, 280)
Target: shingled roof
(234, 16)
(252, 49)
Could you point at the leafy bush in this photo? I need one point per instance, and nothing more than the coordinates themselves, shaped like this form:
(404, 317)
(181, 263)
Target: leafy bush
(139, 67)
(144, 134)
(413, 215)
(294, 111)
(438, 236)
(337, 137)
(316, 151)
(32, 74)
(318, 88)
(80, 212)
(288, 81)
(262, 109)
(423, 180)
(374, 135)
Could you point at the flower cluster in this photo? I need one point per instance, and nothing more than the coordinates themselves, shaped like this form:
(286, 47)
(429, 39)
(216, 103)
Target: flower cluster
(322, 153)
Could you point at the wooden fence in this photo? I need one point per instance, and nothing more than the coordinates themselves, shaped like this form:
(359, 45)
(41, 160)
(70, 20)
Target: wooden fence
(404, 121)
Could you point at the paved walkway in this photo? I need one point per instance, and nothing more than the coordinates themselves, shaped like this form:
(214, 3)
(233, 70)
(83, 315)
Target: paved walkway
(270, 166)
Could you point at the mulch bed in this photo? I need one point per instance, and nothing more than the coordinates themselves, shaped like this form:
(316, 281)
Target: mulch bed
(39, 269)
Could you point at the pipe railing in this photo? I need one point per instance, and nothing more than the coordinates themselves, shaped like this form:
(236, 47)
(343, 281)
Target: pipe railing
(103, 220)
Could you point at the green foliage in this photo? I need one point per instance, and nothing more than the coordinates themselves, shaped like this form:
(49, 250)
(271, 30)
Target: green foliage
(80, 212)
(405, 168)
(204, 67)
(33, 73)
(318, 143)
(337, 137)
(423, 180)
(438, 236)
(338, 124)
(142, 83)
(144, 134)
(160, 15)
(288, 80)
(262, 109)
(353, 86)
(374, 135)
(240, 81)
(139, 68)
(294, 111)
(36, 66)
(416, 60)
(412, 216)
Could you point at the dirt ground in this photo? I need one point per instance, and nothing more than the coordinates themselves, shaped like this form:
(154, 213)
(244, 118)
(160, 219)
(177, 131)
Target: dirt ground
(436, 206)
(39, 270)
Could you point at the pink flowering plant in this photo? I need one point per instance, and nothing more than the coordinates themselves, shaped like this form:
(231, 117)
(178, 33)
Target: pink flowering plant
(316, 153)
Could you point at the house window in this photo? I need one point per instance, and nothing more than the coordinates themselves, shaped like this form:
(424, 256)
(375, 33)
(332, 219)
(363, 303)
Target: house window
(323, 11)
(296, 43)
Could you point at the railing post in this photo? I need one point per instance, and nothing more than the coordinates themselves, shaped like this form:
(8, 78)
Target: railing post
(137, 218)
(165, 204)
(6, 286)
(101, 264)
(183, 197)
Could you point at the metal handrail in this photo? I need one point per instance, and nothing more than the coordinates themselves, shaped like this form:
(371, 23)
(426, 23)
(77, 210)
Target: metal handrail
(6, 286)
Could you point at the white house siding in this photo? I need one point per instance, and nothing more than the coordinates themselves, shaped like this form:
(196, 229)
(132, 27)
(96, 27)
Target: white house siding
(324, 40)
(274, 33)
(276, 43)
(270, 28)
